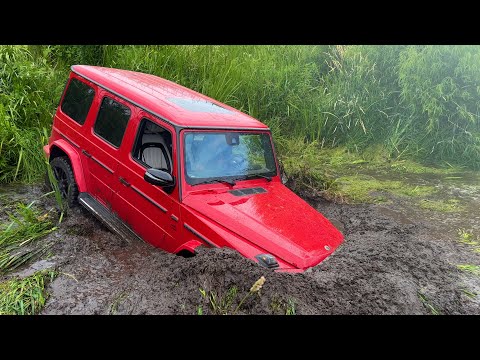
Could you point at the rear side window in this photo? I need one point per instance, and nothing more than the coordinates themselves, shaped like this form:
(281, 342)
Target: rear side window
(77, 100)
(112, 120)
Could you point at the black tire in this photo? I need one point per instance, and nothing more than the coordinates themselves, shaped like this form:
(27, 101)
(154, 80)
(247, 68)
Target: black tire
(66, 179)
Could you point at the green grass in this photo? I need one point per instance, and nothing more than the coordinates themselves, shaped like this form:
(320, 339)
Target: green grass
(446, 206)
(469, 293)
(290, 308)
(471, 269)
(30, 88)
(113, 308)
(345, 176)
(405, 98)
(423, 298)
(227, 303)
(467, 237)
(25, 296)
(406, 101)
(412, 167)
(281, 306)
(220, 304)
(360, 189)
(19, 239)
(303, 165)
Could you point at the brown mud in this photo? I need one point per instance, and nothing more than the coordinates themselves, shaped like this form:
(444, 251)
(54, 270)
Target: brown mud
(396, 259)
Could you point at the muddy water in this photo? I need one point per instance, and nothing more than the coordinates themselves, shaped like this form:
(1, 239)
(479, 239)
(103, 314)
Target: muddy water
(392, 252)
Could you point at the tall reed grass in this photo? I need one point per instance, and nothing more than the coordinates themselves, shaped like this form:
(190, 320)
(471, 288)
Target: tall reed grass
(417, 102)
(30, 88)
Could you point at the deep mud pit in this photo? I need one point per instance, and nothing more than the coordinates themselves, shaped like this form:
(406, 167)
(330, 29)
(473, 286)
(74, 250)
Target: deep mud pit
(395, 260)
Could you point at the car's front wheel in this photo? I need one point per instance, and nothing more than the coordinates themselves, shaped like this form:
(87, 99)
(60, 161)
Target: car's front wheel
(63, 172)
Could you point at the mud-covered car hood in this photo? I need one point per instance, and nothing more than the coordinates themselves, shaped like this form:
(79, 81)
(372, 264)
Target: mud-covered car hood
(276, 220)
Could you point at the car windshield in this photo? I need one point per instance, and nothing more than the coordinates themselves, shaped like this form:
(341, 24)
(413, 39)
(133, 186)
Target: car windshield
(230, 155)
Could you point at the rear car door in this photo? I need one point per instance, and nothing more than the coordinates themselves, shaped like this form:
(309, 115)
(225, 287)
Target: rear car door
(150, 211)
(102, 149)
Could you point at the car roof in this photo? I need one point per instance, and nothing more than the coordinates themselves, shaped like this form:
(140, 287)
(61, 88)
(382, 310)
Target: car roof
(175, 103)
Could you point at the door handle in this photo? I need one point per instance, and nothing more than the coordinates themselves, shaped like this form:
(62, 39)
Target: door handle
(124, 182)
(86, 153)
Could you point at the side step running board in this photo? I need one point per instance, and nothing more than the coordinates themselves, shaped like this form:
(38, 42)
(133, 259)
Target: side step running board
(116, 225)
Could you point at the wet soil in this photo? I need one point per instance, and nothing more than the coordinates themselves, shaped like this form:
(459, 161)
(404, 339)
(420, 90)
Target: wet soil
(396, 259)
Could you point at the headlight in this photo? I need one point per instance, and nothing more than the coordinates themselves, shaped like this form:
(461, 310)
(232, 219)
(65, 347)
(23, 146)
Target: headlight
(267, 260)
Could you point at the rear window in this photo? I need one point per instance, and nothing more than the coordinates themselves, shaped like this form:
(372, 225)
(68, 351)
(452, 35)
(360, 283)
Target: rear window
(77, 100)
(112, 120)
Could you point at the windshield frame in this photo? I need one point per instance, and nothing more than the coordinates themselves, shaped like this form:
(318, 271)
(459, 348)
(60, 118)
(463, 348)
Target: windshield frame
(210, 180)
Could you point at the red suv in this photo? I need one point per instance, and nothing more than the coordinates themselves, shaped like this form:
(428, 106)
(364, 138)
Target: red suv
(158, 161)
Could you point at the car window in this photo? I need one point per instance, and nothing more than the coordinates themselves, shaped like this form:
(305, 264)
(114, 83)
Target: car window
(77, 100)
(153, 146)
(112, 120)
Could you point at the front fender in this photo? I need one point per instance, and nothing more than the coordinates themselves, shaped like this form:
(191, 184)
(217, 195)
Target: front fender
(75, 160)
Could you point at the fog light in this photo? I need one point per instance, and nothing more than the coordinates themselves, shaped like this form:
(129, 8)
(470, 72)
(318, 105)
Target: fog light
(267, 260)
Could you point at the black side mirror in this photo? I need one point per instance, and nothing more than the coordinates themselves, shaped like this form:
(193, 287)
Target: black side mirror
(160, 178)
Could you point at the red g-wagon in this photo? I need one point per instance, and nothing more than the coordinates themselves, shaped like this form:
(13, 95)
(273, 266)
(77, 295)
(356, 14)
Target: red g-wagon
(155, 160)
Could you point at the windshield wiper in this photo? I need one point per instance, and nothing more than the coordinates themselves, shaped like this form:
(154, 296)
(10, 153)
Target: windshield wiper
(253, 176)
(221, 180)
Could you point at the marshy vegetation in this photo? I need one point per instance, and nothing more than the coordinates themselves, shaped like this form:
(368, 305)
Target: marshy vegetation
(229, 303)
(333, 110)
(18, 239)
(22, 241)
(25, 296)
(407, 102)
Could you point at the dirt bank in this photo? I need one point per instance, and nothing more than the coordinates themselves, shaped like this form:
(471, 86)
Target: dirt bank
(393, 261)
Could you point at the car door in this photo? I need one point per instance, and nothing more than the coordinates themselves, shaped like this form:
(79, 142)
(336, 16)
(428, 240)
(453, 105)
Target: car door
(103, 145)
(150, 211)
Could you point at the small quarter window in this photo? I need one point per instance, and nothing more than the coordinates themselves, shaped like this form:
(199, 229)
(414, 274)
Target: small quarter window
(112, 120)
(77, 100)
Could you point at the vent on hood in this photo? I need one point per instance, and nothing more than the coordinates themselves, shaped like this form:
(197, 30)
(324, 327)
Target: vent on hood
(249, 191)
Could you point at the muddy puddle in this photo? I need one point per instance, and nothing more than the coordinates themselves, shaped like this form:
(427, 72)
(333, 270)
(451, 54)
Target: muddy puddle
(396, 259)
